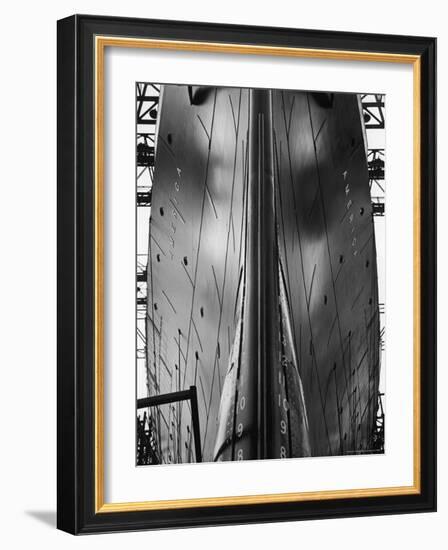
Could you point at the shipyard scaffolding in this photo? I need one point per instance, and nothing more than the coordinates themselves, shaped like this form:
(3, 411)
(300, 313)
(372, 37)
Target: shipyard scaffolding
(147, 103)
(373, 106)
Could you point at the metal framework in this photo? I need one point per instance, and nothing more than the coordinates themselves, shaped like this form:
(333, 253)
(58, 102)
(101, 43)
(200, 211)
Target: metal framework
(378, 207)
(378, 432)
(147, 452)
(373, 111)
(373, 108)
(147, 103)
(375, 163)
(141, 301)
(146, 118)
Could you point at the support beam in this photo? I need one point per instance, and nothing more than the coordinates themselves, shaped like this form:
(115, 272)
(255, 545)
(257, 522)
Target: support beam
(175, 397)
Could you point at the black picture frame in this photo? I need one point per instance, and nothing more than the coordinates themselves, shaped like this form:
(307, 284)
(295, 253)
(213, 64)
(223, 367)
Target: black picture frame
(76, 481)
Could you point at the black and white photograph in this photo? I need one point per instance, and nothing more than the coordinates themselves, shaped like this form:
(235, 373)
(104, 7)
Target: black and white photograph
(260, 261)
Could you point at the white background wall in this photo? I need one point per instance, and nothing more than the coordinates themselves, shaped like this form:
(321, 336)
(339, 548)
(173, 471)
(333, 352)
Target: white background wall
(28, 273)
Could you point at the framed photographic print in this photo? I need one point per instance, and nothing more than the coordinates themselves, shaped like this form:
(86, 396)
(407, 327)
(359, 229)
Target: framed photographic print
(246, 274)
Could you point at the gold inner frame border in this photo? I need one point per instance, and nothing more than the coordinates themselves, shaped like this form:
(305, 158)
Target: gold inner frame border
(100, 44)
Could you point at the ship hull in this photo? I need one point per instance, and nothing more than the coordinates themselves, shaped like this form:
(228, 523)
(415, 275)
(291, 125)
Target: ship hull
(262, 282)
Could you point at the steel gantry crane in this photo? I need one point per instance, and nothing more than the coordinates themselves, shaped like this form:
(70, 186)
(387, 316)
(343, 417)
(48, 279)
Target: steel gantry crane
(373, 109)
